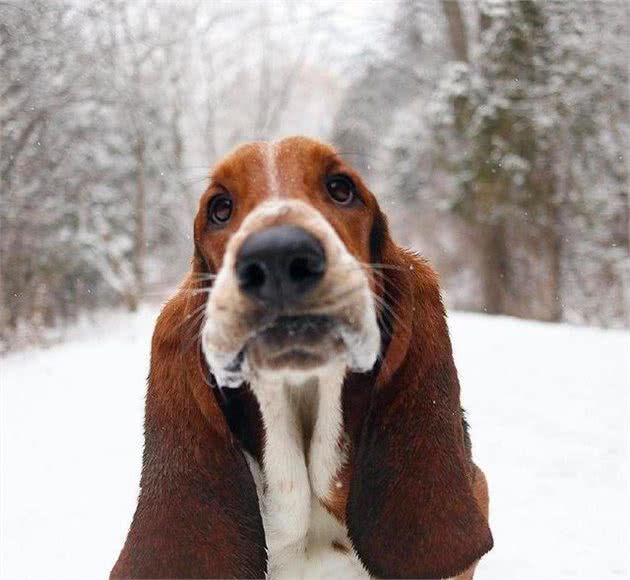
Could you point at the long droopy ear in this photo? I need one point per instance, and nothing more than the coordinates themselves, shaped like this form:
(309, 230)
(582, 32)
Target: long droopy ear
(411, 511)
(198, 514)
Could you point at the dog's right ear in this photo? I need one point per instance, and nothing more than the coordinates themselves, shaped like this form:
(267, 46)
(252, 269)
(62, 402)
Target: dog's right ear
(198, 514)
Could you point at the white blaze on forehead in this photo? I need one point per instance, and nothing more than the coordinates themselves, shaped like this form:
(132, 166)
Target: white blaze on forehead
(269, 154)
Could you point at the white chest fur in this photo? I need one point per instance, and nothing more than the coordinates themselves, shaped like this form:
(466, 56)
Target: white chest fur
(302, 455)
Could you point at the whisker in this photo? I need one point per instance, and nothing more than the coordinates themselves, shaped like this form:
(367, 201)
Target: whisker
(379, 266)
(199, 309)
(196, 337)
(198, 290)
(385, 310)
(202, 276)
(334, 298)
(392, 301)
(389, 300)
(363, 265)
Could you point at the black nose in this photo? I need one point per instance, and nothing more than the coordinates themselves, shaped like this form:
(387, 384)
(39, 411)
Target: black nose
(279, 265)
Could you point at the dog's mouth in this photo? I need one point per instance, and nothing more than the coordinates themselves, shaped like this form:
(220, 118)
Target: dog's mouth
(244, 345)
(293, 331)
(292, 342)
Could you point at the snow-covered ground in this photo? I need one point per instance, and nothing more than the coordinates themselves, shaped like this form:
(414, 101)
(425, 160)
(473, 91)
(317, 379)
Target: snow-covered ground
(548, 405)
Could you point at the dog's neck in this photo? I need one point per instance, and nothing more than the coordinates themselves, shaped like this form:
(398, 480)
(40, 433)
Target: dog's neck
(304, 450)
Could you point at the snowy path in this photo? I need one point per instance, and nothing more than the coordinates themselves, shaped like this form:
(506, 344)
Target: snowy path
(548, 405)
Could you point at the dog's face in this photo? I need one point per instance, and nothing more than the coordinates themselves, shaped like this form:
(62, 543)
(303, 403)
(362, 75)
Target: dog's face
(285, 228)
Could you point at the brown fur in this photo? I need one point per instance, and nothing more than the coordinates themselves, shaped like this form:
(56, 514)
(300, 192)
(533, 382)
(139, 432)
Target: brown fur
(189, 522)
(414, 503)
(480, 491)
(411, 509)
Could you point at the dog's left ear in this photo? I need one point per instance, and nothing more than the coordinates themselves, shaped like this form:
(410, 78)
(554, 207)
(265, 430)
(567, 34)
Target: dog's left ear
(411, 511)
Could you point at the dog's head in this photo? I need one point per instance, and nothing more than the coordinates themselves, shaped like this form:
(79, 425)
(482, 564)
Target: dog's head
(285, 230)
(292, 258)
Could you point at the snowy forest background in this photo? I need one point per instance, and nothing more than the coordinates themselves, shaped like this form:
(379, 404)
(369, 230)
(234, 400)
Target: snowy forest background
(494, 132)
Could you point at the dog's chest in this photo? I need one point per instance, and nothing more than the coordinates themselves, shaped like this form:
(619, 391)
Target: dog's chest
(303, 454)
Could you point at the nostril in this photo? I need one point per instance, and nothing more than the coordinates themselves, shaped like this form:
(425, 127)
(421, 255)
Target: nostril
(299, 268)
(252, 277)
(305, 268)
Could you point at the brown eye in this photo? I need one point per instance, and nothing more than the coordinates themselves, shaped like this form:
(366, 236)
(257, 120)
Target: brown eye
(220, 209)
(341, 188)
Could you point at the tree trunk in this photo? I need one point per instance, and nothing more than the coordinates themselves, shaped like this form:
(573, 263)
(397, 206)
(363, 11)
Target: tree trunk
(140, 224)
(456, 29)
(494, 260)
(131, 300)
(554, 245)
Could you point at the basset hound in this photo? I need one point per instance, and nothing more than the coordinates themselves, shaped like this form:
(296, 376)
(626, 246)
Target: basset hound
(303, 417)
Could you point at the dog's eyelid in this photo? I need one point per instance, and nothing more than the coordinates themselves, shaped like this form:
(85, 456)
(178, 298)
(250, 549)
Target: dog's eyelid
(217, 188)
(219, 209)
(337, 167)
(341, 174)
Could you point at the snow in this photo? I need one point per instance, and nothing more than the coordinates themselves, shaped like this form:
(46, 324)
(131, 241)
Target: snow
(549, 412)
(548, 406)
